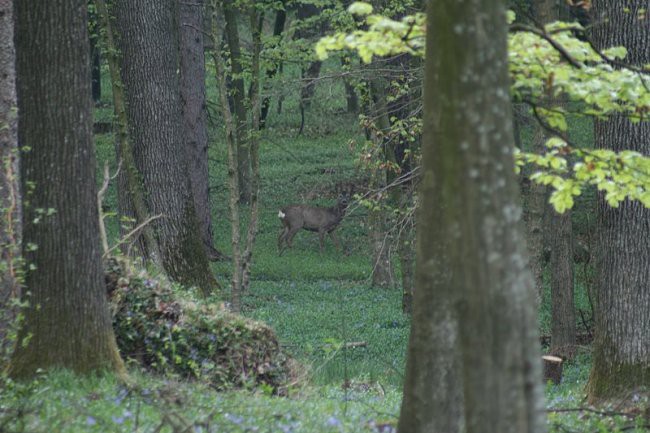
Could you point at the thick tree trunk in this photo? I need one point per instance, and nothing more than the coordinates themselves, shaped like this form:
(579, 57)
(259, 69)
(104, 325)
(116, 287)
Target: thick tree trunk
(67, 323)
(192, 81)
(238, 97)
(621, 356)
(473, 289)
(131, 201)
(149, 49)
(10, 227)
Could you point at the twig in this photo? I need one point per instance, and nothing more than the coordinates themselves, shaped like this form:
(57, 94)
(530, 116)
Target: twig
(555, 44)
(131, 233)
(100, 199)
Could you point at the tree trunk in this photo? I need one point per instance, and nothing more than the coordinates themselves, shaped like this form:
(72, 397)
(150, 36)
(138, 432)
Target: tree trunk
(130, 193)
(351, 98)
(382, 274)
(67, 324)
(473, 288)
(535, 200)
(149, 49)
(271, 71)
(621, 354)
(563, 316)
(10, 227)
(238, 97)
(406, 250)
(556, 231)
(192, 82)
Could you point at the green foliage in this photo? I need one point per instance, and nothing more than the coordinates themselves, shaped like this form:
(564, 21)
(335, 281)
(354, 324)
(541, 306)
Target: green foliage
(384, 36)
(166, 333)
(549, 62)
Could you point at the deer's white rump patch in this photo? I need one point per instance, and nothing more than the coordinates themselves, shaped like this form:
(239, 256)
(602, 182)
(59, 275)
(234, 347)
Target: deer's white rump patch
(281, 214)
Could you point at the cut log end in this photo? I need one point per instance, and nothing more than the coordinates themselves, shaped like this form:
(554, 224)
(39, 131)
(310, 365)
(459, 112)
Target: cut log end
(552, 369)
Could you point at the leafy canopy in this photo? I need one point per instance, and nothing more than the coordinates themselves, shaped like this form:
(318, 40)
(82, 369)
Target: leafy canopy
(545, 64)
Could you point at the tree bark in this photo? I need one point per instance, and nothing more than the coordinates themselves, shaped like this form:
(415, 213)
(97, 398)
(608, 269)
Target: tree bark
(621, 354)
(67, 324)
(10, 227)
(535, 200)
(149, 46)
(195, 116)
(563, 316)
(131, 201)
(382, 274)
(556, 231)
(238, 97)
(473, 288)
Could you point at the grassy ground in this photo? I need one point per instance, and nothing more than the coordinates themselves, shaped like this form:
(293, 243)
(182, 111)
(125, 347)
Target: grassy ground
(316, 302)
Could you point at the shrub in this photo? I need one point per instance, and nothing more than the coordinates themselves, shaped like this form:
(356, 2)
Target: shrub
(168, 333)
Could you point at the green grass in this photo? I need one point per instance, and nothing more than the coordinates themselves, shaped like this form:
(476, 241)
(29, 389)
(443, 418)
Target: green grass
(62, 403)
(314, 320)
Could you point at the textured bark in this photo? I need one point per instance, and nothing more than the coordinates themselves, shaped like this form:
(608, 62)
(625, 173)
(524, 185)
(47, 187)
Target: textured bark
(563, 316)
(241, 260)
(473, 289)
(247, 255)
(238, 97)
(10, 227)
(67, 321)
(131, 202)
(621, 357)
(195, 115)
(556, 231)
(149, 49)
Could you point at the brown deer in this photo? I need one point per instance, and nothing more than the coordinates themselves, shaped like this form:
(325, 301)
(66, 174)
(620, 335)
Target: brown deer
(313, 218)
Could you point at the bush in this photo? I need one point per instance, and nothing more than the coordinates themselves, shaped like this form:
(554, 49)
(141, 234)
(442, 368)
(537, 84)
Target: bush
(170, 334)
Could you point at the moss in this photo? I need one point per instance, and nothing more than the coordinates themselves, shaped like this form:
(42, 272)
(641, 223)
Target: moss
(190, 265)
(611, 380)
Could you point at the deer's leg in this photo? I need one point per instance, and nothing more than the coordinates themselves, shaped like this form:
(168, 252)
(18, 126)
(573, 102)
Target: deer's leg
(291, 233)
(321, 237)
(335, 240)
(281, 239)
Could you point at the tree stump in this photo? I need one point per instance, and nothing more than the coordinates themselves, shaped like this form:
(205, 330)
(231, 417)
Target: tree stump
(552, 369)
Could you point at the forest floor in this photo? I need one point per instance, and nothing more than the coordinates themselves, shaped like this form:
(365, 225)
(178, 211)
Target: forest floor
(316, 302)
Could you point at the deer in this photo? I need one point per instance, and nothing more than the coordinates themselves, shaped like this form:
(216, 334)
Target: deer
(313, 218)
